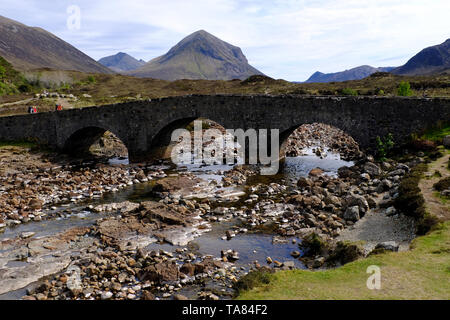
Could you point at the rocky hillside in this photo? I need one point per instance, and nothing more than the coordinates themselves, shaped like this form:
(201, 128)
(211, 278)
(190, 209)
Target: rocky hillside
(431, 60)
(31, 48)
(121, 62)
(199, 56)
(357, 73)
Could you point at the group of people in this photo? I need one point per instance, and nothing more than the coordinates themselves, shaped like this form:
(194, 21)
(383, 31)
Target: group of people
(33, 109)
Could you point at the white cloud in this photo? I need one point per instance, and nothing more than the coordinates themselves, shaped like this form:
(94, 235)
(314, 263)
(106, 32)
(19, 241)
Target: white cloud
(287, 39)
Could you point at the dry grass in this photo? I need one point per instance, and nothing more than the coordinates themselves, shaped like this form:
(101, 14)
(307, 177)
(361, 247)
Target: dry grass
(108, 89)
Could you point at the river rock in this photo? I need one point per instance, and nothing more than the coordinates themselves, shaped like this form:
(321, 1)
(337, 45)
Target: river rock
(164, 271)
(372, 169)
(304, 183)
(357, 200)
(352, 213)
(316, 172)
(388, 245)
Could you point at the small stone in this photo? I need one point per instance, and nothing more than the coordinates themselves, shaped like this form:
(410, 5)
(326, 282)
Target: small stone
(106, 295)
(26, 235)
(391, 211)
(388, 245)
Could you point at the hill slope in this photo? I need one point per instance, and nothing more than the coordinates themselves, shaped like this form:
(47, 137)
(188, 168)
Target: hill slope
(30, 48)
(199, 56)
(434, 59)
(357, 73)
(121, 62)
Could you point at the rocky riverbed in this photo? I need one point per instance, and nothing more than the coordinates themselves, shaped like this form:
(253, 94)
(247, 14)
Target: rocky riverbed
(151, 232)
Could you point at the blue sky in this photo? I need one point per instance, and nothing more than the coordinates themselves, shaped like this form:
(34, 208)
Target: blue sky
(287, 39)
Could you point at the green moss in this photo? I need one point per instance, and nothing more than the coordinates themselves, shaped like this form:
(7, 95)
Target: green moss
(313, 245)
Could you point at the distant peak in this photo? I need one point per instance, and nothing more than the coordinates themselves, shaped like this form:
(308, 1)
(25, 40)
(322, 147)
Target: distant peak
(201, 32)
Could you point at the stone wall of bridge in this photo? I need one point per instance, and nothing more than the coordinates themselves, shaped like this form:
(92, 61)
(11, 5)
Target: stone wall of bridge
(144, 125)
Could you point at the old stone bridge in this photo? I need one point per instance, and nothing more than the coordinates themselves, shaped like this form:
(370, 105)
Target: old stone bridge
(144, 126)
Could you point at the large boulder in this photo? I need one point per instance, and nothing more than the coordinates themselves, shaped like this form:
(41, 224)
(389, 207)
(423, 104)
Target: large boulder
(372, 169)
(164, 271)
(388, 245)
(352, 214)
(357, 200)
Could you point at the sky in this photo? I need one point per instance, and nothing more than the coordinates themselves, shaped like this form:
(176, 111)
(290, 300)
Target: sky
(285, 39)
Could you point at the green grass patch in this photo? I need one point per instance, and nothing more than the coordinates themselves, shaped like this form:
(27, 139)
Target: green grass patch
(437, 133)
(20, 144)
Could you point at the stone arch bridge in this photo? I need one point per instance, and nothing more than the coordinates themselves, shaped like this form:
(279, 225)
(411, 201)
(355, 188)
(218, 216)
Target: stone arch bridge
(144, 126)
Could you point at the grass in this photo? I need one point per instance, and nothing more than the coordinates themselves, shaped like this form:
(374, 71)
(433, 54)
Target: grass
(438, 133)
(420, 273)
(19, 144)
(444, 200)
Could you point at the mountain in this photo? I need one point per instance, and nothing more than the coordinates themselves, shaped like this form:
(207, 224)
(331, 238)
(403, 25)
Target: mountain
(30, 48)
(121, 62)
(199, 56)
(434, 59)
(351, 74)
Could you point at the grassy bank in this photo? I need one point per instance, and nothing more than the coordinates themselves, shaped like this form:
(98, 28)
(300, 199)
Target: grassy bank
(421, 273)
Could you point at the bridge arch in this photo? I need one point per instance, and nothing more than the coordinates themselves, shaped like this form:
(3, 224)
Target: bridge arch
(80, 140)
(323, 135)
(161, 144)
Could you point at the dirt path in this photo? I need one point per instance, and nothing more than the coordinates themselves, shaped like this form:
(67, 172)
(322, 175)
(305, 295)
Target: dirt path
(433, 203)
(16, 102)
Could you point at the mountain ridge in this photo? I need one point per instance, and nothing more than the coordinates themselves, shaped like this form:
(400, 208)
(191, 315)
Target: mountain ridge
(33, 48)
(356, 73)
(430, 60)
(121, 62)
(200, 55)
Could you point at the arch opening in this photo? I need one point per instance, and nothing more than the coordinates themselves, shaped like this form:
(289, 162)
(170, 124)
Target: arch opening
(316, 145)
(212, 137)
(96, 142)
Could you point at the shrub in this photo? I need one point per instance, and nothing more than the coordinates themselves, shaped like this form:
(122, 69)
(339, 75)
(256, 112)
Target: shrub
(384, 146)
(252, 279)
(91, 79)
(349, 92)
(2, 72)
(345, 252)
(442, 184)
(313, 245)
(404, 89)
(410, 200)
